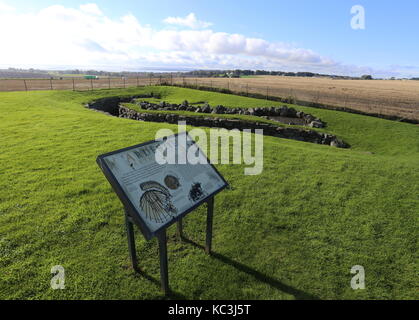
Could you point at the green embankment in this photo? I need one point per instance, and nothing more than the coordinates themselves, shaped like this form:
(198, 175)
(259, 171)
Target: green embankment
(292, 232)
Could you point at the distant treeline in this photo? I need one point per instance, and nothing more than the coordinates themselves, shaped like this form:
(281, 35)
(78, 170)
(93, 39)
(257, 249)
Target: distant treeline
(237, 73)
(22, 73)
(243, 73)
(198, 73)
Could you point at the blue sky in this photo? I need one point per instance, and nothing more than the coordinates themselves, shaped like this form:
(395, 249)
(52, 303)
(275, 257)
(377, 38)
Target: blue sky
(298, 35)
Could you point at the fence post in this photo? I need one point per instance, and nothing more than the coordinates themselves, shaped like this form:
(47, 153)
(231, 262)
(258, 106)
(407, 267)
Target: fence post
(228, 84)
(160, 81)
(73, 84)
(137, 82)
(50, 82)
(196, 83)
(184, 83)
(26, 87)
(150, 79)
(318, 96)
(267, 93)
(171, 79)
(247, 89)
(124, 81)
(109, 82)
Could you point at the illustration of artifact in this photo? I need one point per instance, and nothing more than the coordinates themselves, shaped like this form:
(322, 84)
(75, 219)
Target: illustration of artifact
(156, 202)
(196, 192)
(171, 182)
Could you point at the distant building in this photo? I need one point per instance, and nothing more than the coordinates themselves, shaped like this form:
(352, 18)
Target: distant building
(91, 77)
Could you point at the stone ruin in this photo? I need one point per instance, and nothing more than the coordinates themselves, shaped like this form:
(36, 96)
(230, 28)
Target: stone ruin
(112, 106)
(281, 114)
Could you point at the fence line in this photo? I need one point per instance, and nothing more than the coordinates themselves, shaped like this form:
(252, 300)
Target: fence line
(74, 84)
(389, 107)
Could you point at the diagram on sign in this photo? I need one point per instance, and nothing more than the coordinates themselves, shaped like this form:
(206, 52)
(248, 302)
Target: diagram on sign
(196, 193)
(156, 202)
(172, 182)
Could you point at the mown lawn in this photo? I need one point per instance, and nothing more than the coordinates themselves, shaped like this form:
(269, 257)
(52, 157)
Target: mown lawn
(293, 232)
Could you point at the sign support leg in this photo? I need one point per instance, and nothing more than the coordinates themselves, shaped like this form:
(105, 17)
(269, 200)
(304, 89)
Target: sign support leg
(210, 212)
(164, 274)
(131, 241)
(180, 229)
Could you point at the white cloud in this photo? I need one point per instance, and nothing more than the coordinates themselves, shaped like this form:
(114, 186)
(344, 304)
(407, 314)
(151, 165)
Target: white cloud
(91, 8)
(86, 38)
(189, 21)
(5, 8)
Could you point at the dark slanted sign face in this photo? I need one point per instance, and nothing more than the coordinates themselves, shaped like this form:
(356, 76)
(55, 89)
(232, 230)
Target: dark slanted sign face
(160, 181)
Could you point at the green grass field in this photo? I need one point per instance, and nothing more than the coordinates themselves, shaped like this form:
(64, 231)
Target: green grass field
(293, 232)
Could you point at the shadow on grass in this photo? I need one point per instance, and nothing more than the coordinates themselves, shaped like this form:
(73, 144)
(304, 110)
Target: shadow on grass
(298, 294)
(172, 295)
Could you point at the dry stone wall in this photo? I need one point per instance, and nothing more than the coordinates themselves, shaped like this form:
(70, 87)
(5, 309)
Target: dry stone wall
(113, 107)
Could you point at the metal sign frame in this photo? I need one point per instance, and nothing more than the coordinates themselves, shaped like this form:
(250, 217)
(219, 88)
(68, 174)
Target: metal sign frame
(129, 206)
(132, 216)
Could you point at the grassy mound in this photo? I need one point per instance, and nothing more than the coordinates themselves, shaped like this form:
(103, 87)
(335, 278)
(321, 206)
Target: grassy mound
(292, 232)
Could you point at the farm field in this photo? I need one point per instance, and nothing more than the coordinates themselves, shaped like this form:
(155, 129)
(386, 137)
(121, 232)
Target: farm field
(293, 232)
(390, 97)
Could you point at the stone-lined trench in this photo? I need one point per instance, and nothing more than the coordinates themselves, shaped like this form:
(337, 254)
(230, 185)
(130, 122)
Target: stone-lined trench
(112, 106)
(282, 114)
